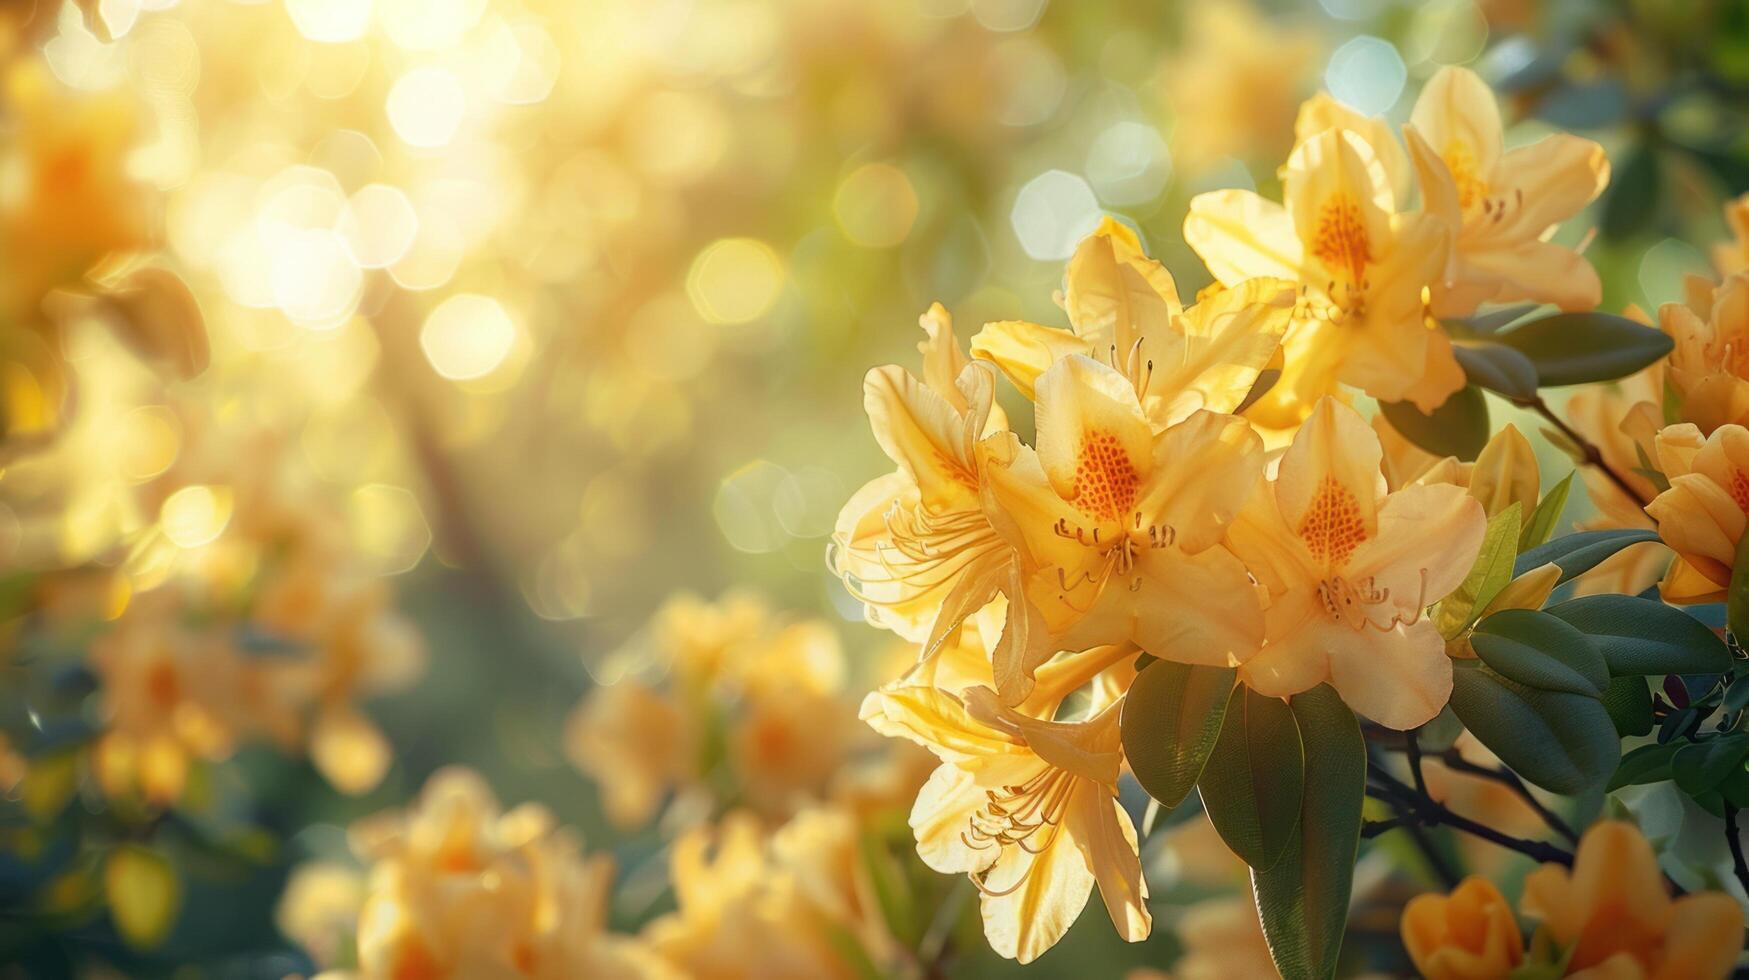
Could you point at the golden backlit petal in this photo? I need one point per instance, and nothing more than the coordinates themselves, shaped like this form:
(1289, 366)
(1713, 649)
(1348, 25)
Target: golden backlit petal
(1717, 400)
(939, 818)
(1506, 473)
(1724, 459)
(1268, 547)
(1194, 608)
(1546, 183)
(1049, 890)
(1094, 443)
(921, 432)
(1089, 749)
(1439, 193)
(1312, 353)
(936, 720)
(1340, 200)
(1025, 507)
(1428, 536)
(942, 358)
(1703, 938)
(1025, 643)
(1240, 235)
(1102, 830)
(1686, 584)
(1335, 452)
(1441, 374)
(1675, 446)
(1323, 111)
(1114, 293)
(1458, 115)
(1400, 678)
(1204, 469)
(1023, 351)
(1211, 357)
(1534, 270)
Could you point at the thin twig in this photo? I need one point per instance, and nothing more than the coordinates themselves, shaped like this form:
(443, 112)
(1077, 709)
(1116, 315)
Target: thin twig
(1454, 760)
(1587, 449)
(1427, 812)
(1735, 839)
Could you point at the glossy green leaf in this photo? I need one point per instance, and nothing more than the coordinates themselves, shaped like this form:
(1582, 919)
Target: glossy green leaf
(1491, 573)
(1303, 899)
(1457, 428)
(1644, 636)
(1496, 367)
(1251, 784)
(1547, 514)
(1580, 552)
(1580, 348)
(1629, 703)
(1700, 767)
(1563, 742)
(1737, 596)
(1538, 650)
(1171, 718)
(1646, 764)
(1488, 321)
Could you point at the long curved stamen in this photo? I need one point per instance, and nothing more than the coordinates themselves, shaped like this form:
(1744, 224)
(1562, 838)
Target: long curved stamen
(1015, 816)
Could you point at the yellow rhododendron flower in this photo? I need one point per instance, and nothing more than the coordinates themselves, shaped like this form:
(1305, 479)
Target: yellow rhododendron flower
(1351, 569)
(1501, 205)
(636, 743)
(1709, 365)
(1506, 473)
(1622, 421)
(1122, 525)
(915, 546)
(1732, 257)
(1467, 935)
(1702, 516)
(1026, 806)
(1124, 310)
(1323, 111)
(1363, 270)
(1612, 907)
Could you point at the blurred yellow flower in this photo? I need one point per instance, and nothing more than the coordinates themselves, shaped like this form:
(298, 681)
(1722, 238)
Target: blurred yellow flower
(1732, 257)
(635, 743)
(1223, 938)
(1613, 908)
(1351, 569)
(1467, 935)
(1501, 205)
(1363, 268)
(459, 889)
(1234, 83)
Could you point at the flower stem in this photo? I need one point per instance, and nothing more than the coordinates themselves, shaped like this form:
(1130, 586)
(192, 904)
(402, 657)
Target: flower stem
(1418, 809)
(1591, 455)
(1735, 839)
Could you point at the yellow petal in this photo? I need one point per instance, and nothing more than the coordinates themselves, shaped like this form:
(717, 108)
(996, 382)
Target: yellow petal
(1469, 935)
(1107, 839)
(1023, 350)
(1214, 621)
(1400, 678)
(1427, 539)
(939, 818)
(935, 720)
(1534, 270)
(1114, 293)
(1240, 236)
(921, 432)
(1211, 357)
(1296, 658)
(1322, 111)
(1204, 468)
(1038, 898)
(1506, 473)
(1699, 521)
(1703, 938)
(1340, 200)
(1094, 443)
(349, 750)
(1329, 482)
(1548, 182)
(1457, 114)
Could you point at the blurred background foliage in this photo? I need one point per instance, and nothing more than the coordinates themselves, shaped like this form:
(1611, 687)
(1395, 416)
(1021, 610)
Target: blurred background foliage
(520, 316)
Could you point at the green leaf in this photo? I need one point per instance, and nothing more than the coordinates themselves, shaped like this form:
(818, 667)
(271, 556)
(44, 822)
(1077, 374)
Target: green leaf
(1482, 324)
(144, 894)
(1629, 703)
(1563, 742)
(1171, 718)
(1736, 788)
(1496, 367)
(1457, 428)
(1541, 525)
(1580, 348)
(1303, 900)
(1646, 764)
(1580, 552)
(1700, 767)
(1251, 784)
(1644, 636)
(1538, 650)
(1737, 598)
(1491, 573)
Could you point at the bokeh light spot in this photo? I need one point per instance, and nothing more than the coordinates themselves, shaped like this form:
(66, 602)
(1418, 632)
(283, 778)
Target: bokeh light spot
(426, 106)
(378, 225)
(467, 336)
(734, 280)
(876, 205)
(1129, 163)
(195, 515)
(388, 527)
(1366, 74)
(333, 21)
(1052, 212)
